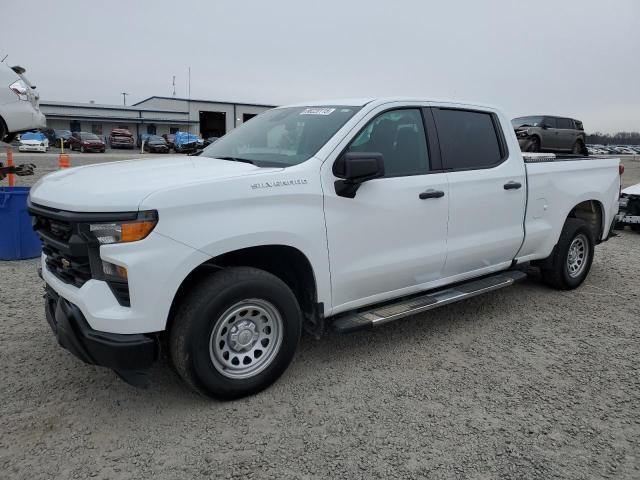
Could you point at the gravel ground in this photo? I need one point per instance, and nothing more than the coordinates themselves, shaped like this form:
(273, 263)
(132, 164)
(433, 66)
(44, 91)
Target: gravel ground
(525, 382)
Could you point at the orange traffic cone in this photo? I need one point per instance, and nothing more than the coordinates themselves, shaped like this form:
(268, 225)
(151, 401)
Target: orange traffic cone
(10, 164)
(64, 161)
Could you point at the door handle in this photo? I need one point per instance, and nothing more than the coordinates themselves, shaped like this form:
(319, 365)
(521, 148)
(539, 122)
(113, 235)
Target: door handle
(431, 193)
(512, 185)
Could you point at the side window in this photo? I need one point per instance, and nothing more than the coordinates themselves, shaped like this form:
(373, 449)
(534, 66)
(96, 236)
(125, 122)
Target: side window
(399, 136)
(468, 139)
(566, 123)
(551, 122)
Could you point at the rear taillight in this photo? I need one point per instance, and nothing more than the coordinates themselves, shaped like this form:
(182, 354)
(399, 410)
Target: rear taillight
(621, 171)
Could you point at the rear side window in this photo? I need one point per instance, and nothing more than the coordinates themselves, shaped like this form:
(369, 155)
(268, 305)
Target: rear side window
(566, 123)
(468, 139)
(551, 122)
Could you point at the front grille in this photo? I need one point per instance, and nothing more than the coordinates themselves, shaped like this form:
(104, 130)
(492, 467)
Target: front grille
(73, 270)
(66, 252)
(72, 253)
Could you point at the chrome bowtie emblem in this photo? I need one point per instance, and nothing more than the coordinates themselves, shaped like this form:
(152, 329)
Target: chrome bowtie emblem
(65, 263)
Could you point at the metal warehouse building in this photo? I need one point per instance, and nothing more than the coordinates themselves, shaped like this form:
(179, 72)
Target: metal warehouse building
(155, 115)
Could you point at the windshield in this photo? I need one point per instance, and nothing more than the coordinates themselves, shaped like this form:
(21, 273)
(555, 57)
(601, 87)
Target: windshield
(282, 136)
(88, 136)
(61, 133)
(155, 139)
(531, 121)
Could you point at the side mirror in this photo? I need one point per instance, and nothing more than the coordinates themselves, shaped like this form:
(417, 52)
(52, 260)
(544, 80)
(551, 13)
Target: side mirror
(544, 126)
(355, 168)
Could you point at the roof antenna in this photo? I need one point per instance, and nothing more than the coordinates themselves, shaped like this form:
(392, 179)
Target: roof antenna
(174, 86)
(5, 57)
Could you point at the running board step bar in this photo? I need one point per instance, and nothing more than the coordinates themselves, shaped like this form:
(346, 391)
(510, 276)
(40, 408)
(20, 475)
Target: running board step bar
(394, 311)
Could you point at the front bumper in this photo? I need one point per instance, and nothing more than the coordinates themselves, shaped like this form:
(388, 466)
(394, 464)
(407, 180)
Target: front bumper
(628, 219)
(116, 351)
(32, 148)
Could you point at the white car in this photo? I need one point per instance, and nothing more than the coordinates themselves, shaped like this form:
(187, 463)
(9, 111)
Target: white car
(19, 109)
(346, 214)
(33, 142)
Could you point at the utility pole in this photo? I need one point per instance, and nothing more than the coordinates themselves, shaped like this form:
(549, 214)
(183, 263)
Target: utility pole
(189, 99)
(174, 86)
(124, 97)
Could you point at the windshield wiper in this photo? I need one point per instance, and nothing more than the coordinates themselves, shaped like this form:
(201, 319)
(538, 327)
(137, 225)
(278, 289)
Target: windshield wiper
(237, 159)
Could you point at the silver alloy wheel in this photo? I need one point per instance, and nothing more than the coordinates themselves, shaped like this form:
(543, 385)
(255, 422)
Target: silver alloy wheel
(577, 256)
(246, 338)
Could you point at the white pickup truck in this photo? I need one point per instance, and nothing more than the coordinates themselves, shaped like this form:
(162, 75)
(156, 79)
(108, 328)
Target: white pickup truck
(343, 214)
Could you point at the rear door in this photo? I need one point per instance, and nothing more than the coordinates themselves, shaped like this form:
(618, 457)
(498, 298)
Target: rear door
(487, 191)
(566, 133)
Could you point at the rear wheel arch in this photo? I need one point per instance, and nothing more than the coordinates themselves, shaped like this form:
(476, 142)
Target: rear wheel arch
(591, 212)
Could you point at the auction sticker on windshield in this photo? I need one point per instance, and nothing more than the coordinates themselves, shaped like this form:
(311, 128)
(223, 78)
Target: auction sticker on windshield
(317, 111)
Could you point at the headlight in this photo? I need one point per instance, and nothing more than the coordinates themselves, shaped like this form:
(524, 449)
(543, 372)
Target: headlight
(123, 232)
(20, 89)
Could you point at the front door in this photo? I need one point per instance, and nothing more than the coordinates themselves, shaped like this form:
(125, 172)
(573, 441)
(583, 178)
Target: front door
(389, 240)
(487, 192)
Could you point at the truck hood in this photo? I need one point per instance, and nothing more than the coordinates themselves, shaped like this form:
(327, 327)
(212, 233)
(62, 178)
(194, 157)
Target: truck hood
(632, 190)
(121, 186)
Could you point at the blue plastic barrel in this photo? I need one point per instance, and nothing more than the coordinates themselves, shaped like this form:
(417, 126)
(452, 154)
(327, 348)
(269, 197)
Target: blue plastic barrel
(17, 239)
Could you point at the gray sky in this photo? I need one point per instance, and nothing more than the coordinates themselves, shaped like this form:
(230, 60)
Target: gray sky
(579, 58)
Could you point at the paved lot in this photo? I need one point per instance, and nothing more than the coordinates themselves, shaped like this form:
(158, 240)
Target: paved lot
(522, 383)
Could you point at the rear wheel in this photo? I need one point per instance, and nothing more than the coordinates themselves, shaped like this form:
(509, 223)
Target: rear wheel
(235, 333)
(578, 148)
(572, 256)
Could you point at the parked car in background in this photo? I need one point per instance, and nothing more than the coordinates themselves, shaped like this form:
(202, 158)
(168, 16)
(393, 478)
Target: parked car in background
(58, 135)
(545, 133)
(209, 141)
(33, 142)
(19, 104)
(86, 142)
(170, 138)
(156, 144)
(121, 138)
(629, 212)
(185, 142)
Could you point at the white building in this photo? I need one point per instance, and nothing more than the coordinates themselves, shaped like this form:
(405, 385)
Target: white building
(155, 115)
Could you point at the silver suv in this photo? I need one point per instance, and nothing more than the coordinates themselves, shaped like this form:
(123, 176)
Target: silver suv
(544, 133)
(19, 110)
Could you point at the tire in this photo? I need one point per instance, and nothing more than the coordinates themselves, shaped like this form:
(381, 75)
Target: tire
(566, 271)
(578, 148)
(635, 228)
(534, 146)
(102, 151)
(203, 329)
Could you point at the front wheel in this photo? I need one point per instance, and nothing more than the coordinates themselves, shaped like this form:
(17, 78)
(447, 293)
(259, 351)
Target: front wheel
(572, 256)
(235, 333)
(534, 144)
